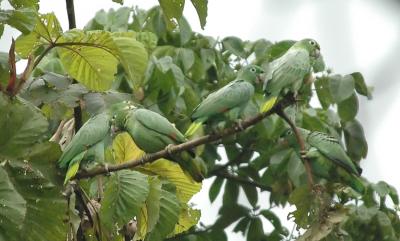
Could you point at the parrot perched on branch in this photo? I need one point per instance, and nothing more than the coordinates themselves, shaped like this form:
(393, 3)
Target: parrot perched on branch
(286, 73)
(232, 97)
(328, 159)
(152, 133)
(88, 143)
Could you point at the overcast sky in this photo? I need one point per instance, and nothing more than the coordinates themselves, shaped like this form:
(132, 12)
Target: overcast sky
(354, 35)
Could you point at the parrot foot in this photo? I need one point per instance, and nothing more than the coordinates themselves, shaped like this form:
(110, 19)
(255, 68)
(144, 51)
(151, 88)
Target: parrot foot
(169, 149)
(107, 170)
(303, 154)
(238, 125)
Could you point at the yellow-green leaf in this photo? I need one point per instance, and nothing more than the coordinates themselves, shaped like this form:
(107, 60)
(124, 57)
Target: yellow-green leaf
(185, 186)
(47, 30)
(133, 57)
(124, 149)
(187, 219)
(89, 58)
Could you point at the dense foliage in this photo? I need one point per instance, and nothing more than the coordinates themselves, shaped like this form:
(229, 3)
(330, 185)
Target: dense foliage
(154, 59)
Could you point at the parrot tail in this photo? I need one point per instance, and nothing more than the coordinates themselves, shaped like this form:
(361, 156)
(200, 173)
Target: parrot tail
(357, 185)
(74, 166)
(193, 128)
(268, 104)
(72, 170)
(193, 167)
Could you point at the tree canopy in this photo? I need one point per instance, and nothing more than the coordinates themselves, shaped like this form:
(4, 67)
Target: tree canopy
(154, 59)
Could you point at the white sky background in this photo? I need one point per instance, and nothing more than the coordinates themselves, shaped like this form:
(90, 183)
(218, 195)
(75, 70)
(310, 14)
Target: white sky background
(354, 35)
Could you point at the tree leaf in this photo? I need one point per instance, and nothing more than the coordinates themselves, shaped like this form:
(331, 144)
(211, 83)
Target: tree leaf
(251, 194)
(46, 30)
(150, 212)
(45, 213)
(24, 3)
(354, 136)
(231, 194)
(4, 69)
(348, 108)
(185, 186)
(19, 135)
(360, 85)
(23, 19)
(278, 49)
(124, 195)
(215, 188)
(89, 58)
(133, 57)
(172, 10)
(124, 148)
(322, 86)
(234, 45)
(13, 208)
(169, 214)
(201, 9)
(229, 214)
(188, 217)
(341, 88)
(256, 231)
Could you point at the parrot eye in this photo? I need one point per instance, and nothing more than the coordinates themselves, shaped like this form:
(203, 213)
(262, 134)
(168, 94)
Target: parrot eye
(253, 69)
(313, 43)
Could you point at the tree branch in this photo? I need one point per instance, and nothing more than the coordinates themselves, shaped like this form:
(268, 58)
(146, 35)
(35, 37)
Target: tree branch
(148, 158)
(301, 143)
(72, 24)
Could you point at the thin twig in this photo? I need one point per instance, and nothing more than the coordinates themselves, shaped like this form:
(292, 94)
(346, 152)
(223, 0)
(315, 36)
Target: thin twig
(301, 143)
(148, 158)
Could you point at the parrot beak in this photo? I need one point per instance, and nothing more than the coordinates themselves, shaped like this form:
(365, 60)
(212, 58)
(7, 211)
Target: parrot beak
(317, 53)
(260, 78)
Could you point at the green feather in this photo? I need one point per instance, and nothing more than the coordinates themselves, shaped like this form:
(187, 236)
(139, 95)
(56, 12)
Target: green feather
(74, 166)
(152, 133)
(193, 128)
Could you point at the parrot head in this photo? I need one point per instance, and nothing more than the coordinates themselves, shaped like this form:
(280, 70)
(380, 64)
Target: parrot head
(119, 111)
(289, 137)
(311, 45)
(251, 73)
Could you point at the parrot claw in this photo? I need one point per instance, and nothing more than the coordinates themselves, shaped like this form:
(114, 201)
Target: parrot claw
(239, 126)
(303, 154)
(107, 170)
(168, 149)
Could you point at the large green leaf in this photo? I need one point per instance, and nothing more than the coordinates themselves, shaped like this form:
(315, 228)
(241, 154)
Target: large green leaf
(341, 88)
(201, 9)
(124, 195)
(24, 3)
(13, 208)
(185, 186)
(113, 20)
(172, 10)
(133, 57)
(89, 58)
(22, 126)
(46, 206)
(92, 57)
(22, 19)
(169, 213)
(150, 212)
(356, 143)
(46, 30)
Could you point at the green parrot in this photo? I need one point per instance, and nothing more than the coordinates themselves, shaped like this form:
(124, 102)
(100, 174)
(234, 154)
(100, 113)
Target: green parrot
(232, 97)
(152, 133)
(88, 143)
(288, 71)
(328, 158)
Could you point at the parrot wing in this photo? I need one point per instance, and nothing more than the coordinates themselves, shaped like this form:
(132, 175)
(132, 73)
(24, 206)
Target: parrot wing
(228, 97)
(287, 70)
(92, 132)
(331, 148)
(159, 124)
